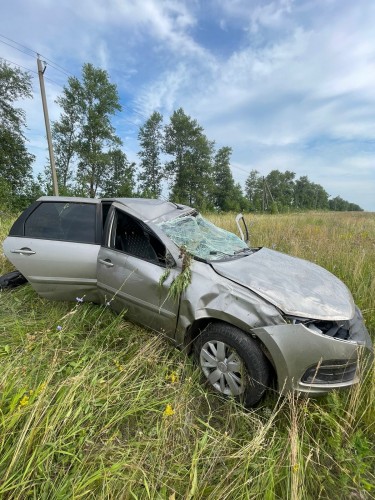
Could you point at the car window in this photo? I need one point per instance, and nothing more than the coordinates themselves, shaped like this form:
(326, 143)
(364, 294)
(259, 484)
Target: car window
(203, 239)
(130, 236)
(63, 221)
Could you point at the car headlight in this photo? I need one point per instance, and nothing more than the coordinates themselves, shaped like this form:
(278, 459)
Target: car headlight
(339, 330)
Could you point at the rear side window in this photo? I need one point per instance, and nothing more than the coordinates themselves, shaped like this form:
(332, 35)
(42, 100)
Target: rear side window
(63, 221)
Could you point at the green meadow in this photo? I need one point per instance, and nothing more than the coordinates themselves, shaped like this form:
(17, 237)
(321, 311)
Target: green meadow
(92, 406)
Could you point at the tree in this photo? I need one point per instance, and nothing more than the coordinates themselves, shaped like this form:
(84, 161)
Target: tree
(119, 180)
(308, 195)
(281, 188)
(85, 128)
(223, 179)
(15, 160)
(150, 137)
(65, 137)
(254, 190)
(190, 170)
(338, 204)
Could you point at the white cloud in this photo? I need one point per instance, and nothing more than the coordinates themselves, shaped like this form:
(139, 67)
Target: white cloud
(269, 15)
(302, 73)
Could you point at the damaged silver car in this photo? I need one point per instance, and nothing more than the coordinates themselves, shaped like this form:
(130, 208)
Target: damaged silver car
(252, 316)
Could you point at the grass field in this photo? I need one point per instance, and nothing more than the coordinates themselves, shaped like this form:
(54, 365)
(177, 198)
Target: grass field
(92, 406)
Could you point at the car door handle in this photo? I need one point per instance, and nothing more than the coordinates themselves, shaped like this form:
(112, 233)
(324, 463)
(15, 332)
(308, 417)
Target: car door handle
(23, 251)
(106, 262)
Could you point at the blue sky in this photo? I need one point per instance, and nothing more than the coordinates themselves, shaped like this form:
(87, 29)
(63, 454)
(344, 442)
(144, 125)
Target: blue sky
(287, 84)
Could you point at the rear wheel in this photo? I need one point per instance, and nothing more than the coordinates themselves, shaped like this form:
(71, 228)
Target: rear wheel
(232, 363)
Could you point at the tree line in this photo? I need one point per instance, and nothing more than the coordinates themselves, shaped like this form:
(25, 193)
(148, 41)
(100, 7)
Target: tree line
(175, 157)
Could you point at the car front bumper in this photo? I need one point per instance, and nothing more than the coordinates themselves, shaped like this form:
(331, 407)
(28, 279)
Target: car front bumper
(314, 363)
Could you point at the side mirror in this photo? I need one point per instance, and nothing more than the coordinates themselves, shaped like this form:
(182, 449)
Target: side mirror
(244, 232)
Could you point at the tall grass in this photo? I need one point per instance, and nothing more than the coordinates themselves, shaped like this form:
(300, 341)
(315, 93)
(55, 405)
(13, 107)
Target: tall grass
(92, 406)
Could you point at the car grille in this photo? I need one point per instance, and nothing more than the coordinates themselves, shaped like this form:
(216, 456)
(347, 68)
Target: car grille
(330, 372)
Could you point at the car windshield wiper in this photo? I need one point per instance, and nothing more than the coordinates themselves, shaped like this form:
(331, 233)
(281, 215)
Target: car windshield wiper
(242, 250)
(216, 252)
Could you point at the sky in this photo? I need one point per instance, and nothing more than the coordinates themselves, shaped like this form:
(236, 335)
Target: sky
(287, 84)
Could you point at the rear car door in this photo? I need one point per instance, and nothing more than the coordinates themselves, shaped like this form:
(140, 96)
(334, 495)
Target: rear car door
(55, 244)
(132, 265)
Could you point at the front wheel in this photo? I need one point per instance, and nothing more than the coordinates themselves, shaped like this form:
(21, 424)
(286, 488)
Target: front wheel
(232, 362)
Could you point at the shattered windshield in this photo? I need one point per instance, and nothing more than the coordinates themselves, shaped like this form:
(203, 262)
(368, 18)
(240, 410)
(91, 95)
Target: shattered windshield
(202, 238)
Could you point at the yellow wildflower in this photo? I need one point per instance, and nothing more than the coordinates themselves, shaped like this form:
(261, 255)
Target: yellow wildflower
(119, 366)
(41, 388)
(295, 467)
(24, 401)
(172, 377)
(169, 411)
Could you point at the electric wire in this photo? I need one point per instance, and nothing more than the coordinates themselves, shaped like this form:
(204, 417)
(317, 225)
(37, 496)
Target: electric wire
(34, 53)
(29, 70)
(56, 66)
(17, 43)
(13, 47)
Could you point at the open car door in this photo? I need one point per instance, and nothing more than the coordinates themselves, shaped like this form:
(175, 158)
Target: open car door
(131, 266)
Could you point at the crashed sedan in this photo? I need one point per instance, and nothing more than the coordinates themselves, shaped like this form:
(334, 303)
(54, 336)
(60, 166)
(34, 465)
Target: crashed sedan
(252, 316)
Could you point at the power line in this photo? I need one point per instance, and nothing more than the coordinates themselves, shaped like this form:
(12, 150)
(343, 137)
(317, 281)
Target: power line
(20, 44)
(34, 53)
(53, 81)
(13, 47)
(57, 66)
(19, 65)
(135, 111)
(239, 168)
(30, 71)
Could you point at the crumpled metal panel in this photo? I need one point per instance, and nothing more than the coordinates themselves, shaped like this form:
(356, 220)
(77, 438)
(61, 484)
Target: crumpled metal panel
(291, 357)
(296, 286)
(210, 296)
(150, 209)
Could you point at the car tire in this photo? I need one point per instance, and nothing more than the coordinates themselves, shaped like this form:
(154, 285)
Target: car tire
(232, 363)
(12, 280)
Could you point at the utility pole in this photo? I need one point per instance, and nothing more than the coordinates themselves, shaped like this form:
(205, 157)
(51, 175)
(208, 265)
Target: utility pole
(48, 129)
(263, 195)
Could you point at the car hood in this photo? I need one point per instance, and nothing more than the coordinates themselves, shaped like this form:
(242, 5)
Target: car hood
(297, 287)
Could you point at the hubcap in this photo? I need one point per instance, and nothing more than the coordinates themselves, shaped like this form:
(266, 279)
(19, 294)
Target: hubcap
(223, 367)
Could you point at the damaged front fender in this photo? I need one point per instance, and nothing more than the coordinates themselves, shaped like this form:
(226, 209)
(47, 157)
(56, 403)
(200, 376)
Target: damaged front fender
(212, 297)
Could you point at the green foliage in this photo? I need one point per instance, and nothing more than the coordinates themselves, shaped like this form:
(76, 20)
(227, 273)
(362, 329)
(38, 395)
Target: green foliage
(280, 192)
(118, 179)
(190, 169)
(84, 132)
(151, 173)
(254, 190)
(15, 84)
(340, 205)
(15, 160)
(309, 195)
(183, 280)
(227, 195)
(89, 161)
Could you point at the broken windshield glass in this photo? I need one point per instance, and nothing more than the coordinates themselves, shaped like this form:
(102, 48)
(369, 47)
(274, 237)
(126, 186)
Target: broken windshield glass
(202, 238)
